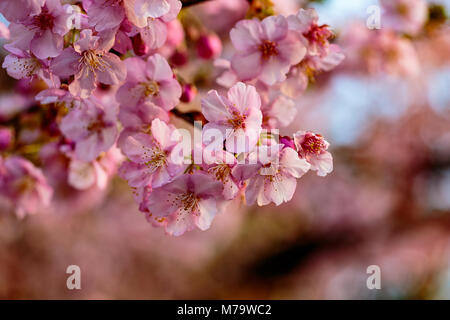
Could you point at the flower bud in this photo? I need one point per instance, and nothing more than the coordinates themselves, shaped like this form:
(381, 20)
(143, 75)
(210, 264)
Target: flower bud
(5, 138)
(178, 58)
(139, 46)
(189, 93)
(209, 46)
(287, 142)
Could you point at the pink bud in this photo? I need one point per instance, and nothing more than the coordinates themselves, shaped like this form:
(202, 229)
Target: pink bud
(287, 142)
(179, 58)
(139, 46)
(189, 93)
(209, 46)
(5, 138)
(126, 25)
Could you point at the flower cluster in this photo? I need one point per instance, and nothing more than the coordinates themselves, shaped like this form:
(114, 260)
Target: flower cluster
(99, 76)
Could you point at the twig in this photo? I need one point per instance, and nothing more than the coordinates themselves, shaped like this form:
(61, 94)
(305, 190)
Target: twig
(187, 3)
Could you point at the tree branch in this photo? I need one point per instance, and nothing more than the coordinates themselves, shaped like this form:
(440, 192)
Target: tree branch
(187, 3)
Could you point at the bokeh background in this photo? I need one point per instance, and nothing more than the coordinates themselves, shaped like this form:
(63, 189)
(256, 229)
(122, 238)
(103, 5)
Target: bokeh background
(387, 203)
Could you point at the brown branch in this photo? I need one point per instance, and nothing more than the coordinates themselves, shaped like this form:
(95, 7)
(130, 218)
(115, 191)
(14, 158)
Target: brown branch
(187, 3)
(190, 116)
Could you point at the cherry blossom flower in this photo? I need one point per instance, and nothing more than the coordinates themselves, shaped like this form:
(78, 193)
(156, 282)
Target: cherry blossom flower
(90, 61)
(315, 38)
(18, 10)
(300, 75)
(139, 117)
(92, 127)
(265, 49)
(24, 185)
(188, 202)
(275, 181)
(28, 67)
(43, 32)
(108, 14)
(238, 116)
(404, 15)
(220, 164)
(152, 157)
(313, 148)
(151, 81)
(380, 51)
(278, 110)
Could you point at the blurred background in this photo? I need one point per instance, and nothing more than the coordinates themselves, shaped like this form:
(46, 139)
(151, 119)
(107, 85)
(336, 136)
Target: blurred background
(387, 202)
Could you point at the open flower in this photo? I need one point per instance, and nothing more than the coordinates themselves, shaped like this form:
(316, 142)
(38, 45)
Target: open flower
(278, 110)
(220, 164)
(24, 185)
(18, 10)
(266, 50)
(238, 117)
(275, 181)
(404, 15)
(315, 37)
(153, 161)
(92, 127)
(313, 148)
(188, 202)
(90, 61)
(29, 67)
(305, 72)
(43, 33)
(108, 14)
(150, 81)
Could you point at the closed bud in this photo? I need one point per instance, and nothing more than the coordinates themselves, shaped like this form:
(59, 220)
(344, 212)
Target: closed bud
(209, 46)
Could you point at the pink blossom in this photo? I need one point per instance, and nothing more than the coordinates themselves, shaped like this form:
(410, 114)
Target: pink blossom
(156, 31)
(140, 116)
(188, 202)
(92, 127)
(300, 75)
(380, 51)
(18, 10)
(151, 81)
(6, 137)
(275, 181)
(90, 61)
(266, 50)
(28, 67)
(153, 158)
(219, 164)
(108, 14)
(313, 148)
(43, 33)
(278, 110)
(238, 116)
(316, 38)
(407, 16)
(24, 185)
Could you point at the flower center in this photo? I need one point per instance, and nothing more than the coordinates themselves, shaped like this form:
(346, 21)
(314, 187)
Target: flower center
(189, 201)
(402, 9)
(94, 61)
(151, 88)
(98, 125)
(156, 158)
(221, 172)
(268, 49)
(313, 144)
(44, 21)
(318, 34)
(237, 121)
